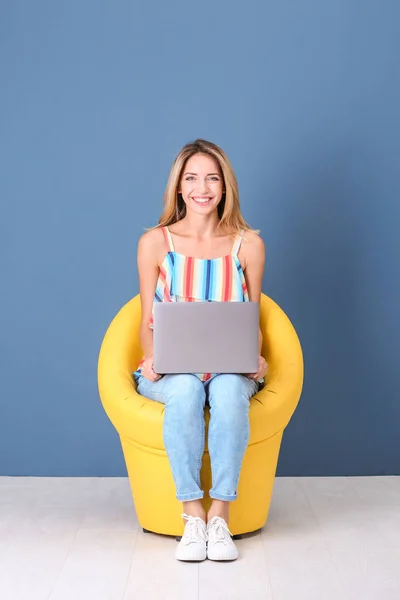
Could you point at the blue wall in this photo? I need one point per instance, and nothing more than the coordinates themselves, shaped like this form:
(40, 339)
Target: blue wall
(96, 100)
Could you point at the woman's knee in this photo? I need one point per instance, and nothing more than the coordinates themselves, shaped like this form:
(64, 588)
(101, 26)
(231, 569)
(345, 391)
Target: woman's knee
(185, 390)
(230, 391)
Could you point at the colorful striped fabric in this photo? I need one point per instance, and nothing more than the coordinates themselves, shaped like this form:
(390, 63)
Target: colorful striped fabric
(186, 279)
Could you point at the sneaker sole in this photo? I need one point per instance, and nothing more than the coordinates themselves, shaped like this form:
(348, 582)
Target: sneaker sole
(197, 559)
(218, 558)
(223, 559)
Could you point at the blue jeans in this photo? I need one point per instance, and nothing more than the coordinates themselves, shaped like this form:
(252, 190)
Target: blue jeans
(185, 397)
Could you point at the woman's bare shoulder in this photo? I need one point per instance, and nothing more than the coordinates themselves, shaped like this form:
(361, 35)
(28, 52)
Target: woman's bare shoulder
(152, 243)
(253, 248)
(151, 237)
(253, 240)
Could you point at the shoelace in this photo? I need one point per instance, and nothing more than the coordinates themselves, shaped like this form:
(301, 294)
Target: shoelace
(193, 530)
(220, 529)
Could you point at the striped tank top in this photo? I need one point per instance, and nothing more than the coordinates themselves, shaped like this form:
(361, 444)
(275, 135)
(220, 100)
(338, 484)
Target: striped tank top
(187, 279)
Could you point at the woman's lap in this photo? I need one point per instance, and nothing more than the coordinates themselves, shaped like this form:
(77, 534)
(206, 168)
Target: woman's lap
(182, 385)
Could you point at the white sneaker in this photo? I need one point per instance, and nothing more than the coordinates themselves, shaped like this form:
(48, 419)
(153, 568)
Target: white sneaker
(220, 542)
(193, 545)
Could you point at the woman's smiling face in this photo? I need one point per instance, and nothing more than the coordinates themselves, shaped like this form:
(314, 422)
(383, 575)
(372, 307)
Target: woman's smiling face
(201, 184)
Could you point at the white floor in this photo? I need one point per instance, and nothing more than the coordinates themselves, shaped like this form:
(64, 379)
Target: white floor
(326, 538)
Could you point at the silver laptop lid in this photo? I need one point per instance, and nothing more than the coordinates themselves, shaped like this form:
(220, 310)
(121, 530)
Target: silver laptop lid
(206, 337)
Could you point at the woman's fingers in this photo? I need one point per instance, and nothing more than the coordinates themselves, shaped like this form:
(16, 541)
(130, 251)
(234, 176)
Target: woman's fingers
(148, 370)
(254, 376)
(150, 374)
(262, 370)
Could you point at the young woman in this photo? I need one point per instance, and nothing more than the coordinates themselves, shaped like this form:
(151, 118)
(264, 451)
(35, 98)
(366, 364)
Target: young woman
(201, 250)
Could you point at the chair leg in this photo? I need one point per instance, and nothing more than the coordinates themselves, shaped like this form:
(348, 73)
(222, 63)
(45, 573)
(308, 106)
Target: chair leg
(178, 537)
(240, 536)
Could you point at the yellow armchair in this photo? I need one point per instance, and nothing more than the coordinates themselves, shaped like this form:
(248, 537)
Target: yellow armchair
(139, 422)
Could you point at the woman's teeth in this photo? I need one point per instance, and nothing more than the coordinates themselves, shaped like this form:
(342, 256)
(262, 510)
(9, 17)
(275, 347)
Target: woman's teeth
(201, 200)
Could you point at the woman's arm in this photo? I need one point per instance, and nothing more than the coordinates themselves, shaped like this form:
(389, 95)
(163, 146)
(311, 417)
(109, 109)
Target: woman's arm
(148, 275)
(253, 257)
(254, 260)
(150, 248)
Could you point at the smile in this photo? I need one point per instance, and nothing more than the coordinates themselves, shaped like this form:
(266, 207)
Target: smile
(201, 201)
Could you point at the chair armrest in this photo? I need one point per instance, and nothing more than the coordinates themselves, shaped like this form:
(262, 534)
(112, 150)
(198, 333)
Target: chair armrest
(132, 415)
(273, 406)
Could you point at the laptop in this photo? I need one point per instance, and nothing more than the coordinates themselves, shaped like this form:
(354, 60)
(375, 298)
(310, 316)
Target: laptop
(206, 337)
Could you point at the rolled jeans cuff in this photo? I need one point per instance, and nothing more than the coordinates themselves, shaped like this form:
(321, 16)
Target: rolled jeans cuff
(188, 497)
(223, 497)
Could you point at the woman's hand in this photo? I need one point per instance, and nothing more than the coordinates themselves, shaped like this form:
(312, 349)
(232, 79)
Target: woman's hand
(147, 369)
(262, 370)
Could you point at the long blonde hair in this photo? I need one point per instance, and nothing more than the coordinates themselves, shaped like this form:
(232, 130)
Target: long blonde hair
(229, 212)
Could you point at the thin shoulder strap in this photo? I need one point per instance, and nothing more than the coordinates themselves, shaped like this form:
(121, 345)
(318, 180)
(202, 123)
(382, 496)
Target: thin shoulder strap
(237, 243)
(168, 239)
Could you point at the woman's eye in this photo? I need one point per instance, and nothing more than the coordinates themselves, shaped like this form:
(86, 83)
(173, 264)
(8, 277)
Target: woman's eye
(214, 179)
(189, 178)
